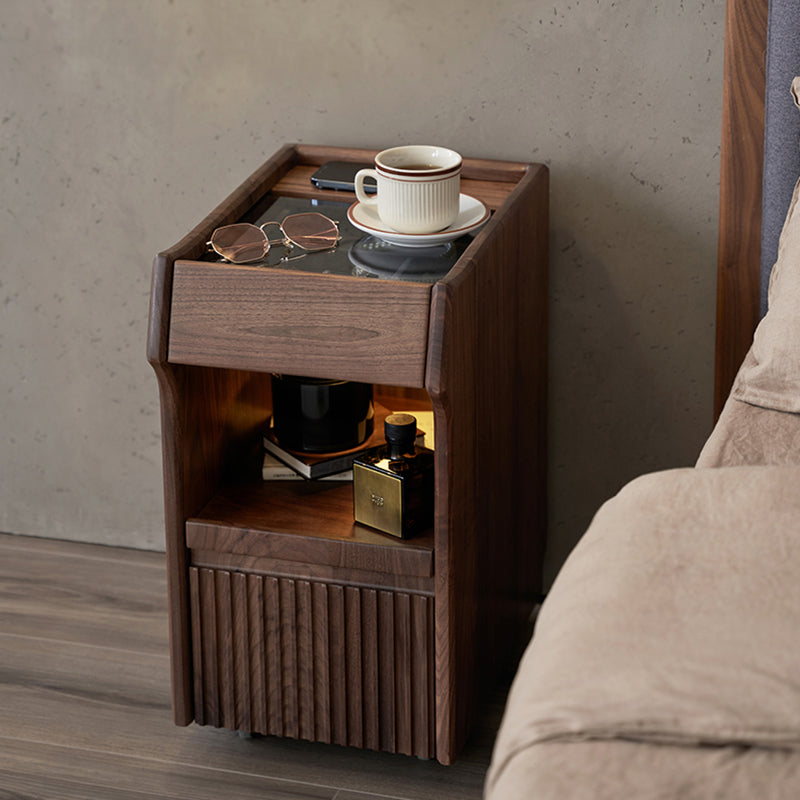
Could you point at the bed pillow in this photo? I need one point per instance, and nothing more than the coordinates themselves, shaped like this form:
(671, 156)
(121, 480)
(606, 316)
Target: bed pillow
(770, 374)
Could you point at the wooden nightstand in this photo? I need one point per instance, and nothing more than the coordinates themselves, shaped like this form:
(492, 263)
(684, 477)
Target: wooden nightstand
(288, 618)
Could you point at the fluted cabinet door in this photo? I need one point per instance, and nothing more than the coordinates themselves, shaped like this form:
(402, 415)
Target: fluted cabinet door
(312, 660)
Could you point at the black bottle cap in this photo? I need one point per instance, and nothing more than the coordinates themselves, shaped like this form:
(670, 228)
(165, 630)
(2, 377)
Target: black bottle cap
(400, 431)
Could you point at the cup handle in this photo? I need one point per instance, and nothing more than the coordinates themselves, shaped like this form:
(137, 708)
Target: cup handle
(363, 197)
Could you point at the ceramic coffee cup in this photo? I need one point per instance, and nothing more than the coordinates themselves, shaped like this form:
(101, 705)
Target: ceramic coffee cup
(418, 187)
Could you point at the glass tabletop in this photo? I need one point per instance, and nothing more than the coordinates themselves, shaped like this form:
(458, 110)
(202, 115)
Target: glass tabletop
(357, 253)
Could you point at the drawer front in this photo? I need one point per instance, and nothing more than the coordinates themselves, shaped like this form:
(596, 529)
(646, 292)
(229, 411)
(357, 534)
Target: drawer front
(328, 326)
(310, 660)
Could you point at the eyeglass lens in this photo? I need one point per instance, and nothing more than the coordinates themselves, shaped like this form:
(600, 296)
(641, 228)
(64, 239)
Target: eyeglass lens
(240, 243)
(311, 231)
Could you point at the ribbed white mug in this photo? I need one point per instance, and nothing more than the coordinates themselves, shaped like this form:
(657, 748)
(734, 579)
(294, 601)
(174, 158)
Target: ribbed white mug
(418, 187)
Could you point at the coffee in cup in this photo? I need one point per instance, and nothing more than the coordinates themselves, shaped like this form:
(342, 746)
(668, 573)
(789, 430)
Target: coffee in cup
(418, 188)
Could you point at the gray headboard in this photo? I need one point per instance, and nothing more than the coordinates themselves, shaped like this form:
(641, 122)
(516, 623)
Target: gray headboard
(781, 131)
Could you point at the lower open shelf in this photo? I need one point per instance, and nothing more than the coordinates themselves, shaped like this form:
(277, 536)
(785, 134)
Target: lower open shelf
(304, 528)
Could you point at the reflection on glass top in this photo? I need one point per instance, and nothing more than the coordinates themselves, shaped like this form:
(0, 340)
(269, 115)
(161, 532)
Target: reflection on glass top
(357, 253)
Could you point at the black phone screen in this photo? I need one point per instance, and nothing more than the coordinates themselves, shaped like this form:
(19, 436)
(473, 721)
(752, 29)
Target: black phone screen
(341, 175)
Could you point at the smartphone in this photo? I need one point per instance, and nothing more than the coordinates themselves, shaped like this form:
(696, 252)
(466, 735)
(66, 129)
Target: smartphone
(342, 175)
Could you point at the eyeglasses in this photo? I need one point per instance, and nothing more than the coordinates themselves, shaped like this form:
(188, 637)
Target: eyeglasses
(244, 243)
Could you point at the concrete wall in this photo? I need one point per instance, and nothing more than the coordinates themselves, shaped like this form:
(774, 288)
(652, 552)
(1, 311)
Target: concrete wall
(122, 122)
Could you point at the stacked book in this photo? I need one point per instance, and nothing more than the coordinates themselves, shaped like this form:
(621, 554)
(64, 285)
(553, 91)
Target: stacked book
(281, 464)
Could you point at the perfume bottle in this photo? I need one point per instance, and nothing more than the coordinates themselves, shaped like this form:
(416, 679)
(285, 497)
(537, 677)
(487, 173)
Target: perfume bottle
(393, 483)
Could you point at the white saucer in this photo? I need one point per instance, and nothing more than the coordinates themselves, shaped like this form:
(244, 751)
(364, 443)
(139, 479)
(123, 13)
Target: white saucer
(471, 215)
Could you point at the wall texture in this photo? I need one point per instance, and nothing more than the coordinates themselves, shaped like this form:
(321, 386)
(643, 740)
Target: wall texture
(123, 122)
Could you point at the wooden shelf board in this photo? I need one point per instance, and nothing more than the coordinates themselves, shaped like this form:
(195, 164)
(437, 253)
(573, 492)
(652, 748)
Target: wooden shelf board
(304, 521)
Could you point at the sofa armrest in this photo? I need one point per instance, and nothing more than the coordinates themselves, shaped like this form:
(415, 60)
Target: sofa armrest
(674, 619)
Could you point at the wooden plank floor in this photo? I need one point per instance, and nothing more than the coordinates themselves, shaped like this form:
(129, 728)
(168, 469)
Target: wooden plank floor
(85, 706)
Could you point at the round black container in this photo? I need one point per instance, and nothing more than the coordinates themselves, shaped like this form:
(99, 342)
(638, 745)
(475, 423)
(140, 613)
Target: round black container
(313, 415)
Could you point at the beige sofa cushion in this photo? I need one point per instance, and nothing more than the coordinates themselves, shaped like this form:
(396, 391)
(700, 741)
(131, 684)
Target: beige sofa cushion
(748, 435)
(674, 620)
(770, 374)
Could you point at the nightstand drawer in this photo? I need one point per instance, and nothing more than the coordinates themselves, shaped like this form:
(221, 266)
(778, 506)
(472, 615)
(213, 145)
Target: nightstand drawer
(268, 320)
(348, 665)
